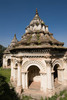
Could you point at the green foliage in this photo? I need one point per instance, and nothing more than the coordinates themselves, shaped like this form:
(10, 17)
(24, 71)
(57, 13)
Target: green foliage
(41, 98)
(5, 92)
(62, 92)
(42, 23)
(5, 73)
(65, 94)
(26, 97)
(37, 23)
(62, 98)
(2, 48)
(38, 36)
(29, 39)
(53, 98)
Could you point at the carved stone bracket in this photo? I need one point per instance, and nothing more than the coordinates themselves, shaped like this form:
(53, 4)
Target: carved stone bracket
(60, 68)
(65, 59)
(52, 71)
(24, 72)
(15, 67)
(42, 73)
(48, 62)
(19, 61)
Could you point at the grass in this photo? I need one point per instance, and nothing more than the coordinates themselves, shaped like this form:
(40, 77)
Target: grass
(6, 73)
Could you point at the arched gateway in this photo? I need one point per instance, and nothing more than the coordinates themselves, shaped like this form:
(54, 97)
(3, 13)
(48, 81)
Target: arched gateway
(33, 70)
(58, 72)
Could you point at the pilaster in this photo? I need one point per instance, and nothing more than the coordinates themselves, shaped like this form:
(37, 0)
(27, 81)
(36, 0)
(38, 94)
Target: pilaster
(52, 76)
(12, 71)
(49, 77)
(19, 79)
(25, 79)
(65, 70)
(43, 81)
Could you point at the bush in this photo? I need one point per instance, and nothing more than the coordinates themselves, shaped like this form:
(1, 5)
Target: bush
(26, 97)
(5, 92)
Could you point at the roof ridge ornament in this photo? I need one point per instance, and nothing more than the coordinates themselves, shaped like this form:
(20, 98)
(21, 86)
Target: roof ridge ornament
(37, 12)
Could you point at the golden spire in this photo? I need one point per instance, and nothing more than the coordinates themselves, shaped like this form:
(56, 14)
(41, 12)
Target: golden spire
(36, 12)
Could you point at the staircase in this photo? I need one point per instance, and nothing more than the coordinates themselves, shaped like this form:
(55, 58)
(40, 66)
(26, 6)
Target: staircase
(35, 86)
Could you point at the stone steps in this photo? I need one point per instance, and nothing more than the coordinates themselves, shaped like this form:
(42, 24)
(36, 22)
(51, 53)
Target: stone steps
(35, 86)
(35, 94)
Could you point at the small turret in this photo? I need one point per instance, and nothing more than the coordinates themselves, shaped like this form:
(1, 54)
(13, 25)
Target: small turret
(14, 41)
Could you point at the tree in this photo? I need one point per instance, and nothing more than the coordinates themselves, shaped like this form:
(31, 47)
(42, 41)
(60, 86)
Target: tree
(2, 48)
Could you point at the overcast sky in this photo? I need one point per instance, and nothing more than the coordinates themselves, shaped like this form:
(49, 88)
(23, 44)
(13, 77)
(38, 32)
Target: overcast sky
(15, 16)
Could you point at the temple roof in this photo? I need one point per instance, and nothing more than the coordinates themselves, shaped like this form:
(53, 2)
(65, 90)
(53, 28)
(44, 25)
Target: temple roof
(37, 35)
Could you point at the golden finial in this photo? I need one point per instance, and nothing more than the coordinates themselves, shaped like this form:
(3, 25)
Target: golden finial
(36, 12)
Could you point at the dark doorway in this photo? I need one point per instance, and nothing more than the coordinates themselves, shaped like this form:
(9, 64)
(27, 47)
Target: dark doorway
(56, 71)
(32, 74)
(9, 62)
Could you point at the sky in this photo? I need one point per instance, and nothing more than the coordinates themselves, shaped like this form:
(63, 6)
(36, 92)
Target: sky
(15, 16)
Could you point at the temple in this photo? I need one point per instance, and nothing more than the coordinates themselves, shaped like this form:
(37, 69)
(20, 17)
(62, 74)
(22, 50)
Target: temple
(38, 60)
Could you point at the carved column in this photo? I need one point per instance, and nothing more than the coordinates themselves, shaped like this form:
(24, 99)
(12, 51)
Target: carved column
(15, 74)
(19, 74)
(23, 80)
(52, 75)
(49, 77)
(12, 71)
(65, 70)
(43, 81)
(27, 80)
(60, 74)
(19, 79)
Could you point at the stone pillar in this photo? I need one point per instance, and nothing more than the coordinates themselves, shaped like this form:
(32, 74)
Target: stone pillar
(15, 74)
(52, 75)
(23, 80)
(43, 81)
(19, 75)
(49, 78)
(12, 71)
(65, 70)
(27, 80)
(19, 79)
(60, 75)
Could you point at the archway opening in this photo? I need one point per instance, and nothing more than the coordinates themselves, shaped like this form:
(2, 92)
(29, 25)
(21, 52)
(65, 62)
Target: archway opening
(34, 77)
(56, 75)
(9, 62)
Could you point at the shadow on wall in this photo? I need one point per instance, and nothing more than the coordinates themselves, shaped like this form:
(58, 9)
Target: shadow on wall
(5, 92)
